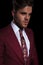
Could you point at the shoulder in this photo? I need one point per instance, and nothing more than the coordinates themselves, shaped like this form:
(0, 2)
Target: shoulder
(30, 35)
(4, 31)
(29, 31)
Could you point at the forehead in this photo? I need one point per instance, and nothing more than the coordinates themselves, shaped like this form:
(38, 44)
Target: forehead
(26, 9)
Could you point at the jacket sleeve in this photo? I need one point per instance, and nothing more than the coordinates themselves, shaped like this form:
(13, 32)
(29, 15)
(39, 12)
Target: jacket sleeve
(1, 53)
(34, 55)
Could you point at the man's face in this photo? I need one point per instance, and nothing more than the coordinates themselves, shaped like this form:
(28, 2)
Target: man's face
(22, 16)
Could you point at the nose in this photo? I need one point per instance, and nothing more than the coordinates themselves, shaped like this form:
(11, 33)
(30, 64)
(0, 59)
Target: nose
(27, 17)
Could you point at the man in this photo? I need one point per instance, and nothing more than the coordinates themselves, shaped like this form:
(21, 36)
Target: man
(11, 50)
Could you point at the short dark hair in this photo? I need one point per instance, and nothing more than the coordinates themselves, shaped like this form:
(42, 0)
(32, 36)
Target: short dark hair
(18, 4)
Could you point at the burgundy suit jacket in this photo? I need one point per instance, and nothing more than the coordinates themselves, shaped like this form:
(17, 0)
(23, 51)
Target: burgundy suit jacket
(10, 50)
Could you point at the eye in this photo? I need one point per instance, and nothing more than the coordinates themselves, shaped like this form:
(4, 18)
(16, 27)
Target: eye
(23, 13)
(30, 14)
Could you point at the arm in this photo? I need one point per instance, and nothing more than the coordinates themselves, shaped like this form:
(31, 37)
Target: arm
(34, 56)
(1, 53)
(34, 52)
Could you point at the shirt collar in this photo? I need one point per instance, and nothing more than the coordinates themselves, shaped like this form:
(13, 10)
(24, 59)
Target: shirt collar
(15, 27)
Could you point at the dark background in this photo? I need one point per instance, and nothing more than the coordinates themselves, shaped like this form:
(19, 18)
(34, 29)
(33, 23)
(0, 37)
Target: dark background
(35, 22)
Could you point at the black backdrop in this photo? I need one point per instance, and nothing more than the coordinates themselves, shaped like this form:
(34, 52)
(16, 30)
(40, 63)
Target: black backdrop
(35, 23)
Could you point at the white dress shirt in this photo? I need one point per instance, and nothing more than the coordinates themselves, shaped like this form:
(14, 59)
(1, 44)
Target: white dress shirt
(16, 31)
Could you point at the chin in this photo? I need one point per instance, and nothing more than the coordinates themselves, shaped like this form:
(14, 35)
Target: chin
(25, 27)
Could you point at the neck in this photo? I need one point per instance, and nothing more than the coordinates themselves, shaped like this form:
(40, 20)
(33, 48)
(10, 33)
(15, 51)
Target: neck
(21, 28)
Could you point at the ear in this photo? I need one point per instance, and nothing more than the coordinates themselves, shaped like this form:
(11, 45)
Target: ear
(13, 12)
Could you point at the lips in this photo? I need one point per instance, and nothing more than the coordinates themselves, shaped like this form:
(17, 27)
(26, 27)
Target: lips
(26, 22)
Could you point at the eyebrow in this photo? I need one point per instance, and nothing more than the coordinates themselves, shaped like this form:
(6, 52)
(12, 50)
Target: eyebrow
(25, 13)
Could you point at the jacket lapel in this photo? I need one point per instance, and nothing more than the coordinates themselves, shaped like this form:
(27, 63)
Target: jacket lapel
(15, 45)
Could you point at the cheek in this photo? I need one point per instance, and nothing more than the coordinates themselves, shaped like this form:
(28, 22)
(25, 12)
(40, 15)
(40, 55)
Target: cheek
(21, 18)
(29, 17)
